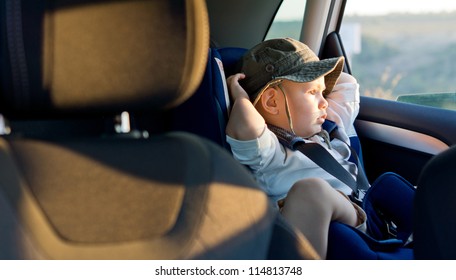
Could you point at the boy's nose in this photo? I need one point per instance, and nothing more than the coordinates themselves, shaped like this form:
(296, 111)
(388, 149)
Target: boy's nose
(323, 103)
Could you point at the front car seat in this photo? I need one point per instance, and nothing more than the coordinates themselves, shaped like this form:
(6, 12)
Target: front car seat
(435, 229)
(94, 195)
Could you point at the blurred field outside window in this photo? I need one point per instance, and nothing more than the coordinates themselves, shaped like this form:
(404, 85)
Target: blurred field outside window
(407, 53)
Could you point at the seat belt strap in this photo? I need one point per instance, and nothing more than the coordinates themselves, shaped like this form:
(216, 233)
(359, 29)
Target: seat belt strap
(325, 160)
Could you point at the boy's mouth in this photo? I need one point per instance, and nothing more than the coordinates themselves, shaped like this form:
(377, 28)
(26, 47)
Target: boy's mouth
(321, 119)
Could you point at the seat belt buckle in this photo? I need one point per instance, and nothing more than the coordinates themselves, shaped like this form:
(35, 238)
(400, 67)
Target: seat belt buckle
(358, 196)
(361, 194)
(391, 228)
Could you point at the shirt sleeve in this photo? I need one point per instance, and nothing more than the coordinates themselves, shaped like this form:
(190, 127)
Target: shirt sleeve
(256, 153)
(344, 106)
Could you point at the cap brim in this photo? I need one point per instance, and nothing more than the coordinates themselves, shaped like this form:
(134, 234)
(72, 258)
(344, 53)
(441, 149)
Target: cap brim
(329, 68)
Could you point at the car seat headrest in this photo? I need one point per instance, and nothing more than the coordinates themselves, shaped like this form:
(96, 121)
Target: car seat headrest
(90, 56)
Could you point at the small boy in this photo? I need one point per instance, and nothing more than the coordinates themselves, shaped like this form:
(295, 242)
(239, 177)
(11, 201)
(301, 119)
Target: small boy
(283, 84)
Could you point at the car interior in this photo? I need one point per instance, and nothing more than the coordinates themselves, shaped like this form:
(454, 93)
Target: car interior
(114, 132)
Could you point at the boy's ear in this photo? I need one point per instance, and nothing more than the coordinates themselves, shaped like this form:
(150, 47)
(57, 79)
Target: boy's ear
(269, 101)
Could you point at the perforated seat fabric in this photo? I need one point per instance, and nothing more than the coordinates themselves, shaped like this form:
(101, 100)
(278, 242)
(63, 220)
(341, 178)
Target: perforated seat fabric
(102, 196)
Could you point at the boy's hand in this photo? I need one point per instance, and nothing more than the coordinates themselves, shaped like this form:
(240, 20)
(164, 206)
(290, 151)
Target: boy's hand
(235, 89)
(245, 123)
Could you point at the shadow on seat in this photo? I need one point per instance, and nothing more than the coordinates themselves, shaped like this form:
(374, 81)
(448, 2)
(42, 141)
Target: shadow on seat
(88, 194)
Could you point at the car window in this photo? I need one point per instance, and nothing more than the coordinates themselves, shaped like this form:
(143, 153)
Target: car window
(288, 20)
(403, 50)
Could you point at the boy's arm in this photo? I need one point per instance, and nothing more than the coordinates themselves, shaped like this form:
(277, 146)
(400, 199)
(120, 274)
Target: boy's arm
(245, 123)
(344, 103)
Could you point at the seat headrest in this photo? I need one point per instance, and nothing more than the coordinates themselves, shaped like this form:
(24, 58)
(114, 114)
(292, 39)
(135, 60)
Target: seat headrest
(92, 56)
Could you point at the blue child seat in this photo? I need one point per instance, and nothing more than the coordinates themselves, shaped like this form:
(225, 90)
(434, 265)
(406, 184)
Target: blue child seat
(206, 112)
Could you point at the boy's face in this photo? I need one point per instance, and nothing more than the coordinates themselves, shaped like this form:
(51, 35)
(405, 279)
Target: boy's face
(307, 106)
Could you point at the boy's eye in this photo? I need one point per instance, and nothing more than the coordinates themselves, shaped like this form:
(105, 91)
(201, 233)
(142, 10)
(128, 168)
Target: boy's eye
(313, 92)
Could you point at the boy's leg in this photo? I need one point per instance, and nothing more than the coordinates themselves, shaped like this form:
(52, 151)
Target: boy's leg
(311, 205)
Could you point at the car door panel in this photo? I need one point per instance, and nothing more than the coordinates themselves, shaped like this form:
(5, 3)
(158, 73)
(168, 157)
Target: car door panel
(402, 137)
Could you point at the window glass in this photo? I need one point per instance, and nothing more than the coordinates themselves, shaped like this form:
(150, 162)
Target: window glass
(288, 20)
(403, 49)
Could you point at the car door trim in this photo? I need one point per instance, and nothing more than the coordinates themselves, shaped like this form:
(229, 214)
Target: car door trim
(401, 137)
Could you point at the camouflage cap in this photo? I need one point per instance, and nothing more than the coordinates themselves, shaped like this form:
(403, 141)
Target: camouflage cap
(286, 59)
